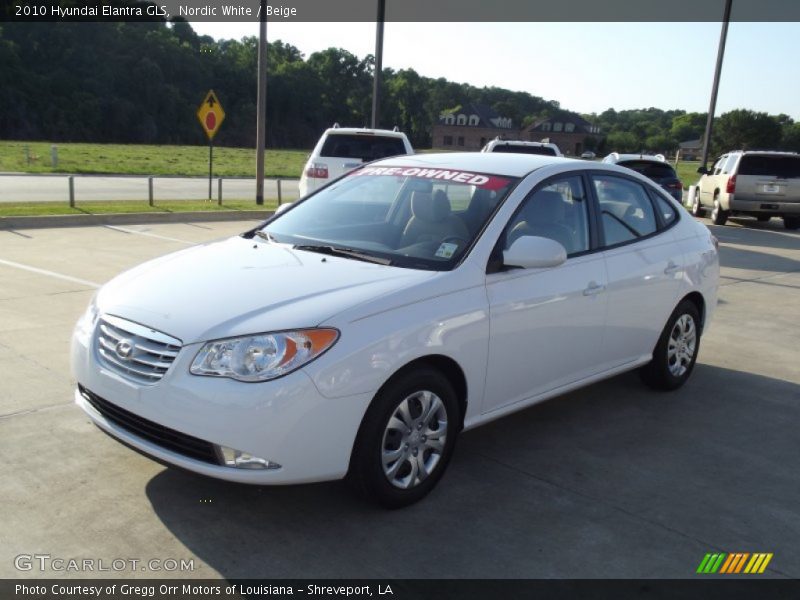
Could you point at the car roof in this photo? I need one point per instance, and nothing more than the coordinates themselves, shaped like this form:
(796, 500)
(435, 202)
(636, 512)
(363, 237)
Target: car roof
(763, 152)
(511, 165)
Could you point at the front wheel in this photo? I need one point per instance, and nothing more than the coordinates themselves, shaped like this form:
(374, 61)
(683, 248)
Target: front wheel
(697, 208)
(406, 438)
(676, 351)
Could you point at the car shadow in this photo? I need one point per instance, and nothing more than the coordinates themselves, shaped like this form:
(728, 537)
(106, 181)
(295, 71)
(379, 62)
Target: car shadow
(585, 485)
(740, 258)
(753, 233)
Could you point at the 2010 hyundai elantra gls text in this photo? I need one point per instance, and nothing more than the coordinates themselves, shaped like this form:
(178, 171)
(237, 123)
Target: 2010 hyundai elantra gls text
(357, 332)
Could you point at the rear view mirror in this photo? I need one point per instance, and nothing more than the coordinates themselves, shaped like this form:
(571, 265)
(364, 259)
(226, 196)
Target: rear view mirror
(533, 252)
(702, 170)
(282, 207)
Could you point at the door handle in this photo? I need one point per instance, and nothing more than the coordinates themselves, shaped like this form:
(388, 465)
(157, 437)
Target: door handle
(593, 288)
(672, 268)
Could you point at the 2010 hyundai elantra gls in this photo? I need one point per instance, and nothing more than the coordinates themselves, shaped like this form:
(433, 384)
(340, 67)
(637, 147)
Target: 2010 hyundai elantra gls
(357, 332)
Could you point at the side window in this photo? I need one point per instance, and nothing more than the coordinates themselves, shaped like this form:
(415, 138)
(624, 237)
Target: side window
(557, 211)
(667, 211)
(626, 211)
(731, 162)
(718, 165)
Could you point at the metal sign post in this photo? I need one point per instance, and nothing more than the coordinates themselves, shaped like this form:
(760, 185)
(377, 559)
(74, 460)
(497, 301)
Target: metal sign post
(210, 114)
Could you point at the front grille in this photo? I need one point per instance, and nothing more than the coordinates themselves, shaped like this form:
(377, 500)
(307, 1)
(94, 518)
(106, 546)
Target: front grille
(165, 437)
(134, 351)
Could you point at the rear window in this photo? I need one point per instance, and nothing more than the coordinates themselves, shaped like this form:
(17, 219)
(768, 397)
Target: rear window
(513, 149)
(365, 147)
(776, 166)
(652, 170)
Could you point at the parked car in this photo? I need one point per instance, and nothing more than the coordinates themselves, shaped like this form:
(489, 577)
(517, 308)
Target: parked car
(652, 166)
(359, 331)
(521, 147)
(760, 184)
(589, 155)
(342, 149)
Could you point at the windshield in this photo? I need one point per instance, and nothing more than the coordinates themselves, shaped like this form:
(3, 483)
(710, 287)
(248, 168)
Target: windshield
(403, 216)
(649, 168)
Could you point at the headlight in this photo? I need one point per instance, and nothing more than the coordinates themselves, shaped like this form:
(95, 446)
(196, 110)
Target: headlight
(85, 325)
(264, 356)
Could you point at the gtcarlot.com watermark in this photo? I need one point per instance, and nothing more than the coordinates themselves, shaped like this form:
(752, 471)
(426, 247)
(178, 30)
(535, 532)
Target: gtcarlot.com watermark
(45, 563)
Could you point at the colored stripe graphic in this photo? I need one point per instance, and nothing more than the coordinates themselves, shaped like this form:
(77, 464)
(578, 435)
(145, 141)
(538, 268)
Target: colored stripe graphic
(734, 563)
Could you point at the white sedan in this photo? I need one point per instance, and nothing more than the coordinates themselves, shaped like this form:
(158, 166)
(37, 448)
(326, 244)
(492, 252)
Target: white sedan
(359, 331)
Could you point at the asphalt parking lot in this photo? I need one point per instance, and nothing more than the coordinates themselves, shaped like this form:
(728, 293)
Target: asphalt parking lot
(610, 481)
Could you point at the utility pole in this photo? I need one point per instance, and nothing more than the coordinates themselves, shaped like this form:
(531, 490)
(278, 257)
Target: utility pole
(261, 102)
(376, 89)
(726, 17)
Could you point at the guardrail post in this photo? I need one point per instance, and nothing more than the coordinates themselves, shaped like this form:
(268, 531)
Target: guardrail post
(279, 192)
(150, 191)
(71, 191)
(219, 191)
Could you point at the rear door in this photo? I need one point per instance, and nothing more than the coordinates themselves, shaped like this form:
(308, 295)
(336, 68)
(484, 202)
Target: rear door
(644, 265)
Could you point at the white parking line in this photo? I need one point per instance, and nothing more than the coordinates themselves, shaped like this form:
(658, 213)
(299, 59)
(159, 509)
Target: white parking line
(152, 235)
(16, 265)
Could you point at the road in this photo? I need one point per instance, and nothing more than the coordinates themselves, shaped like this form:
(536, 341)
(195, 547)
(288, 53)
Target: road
(88, 188)
(611, 481)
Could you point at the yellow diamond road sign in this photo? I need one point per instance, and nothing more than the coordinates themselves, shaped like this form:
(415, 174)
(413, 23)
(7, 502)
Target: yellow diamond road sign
(210, 114)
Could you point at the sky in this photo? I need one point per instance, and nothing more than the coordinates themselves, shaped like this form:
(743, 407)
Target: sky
(586, 67)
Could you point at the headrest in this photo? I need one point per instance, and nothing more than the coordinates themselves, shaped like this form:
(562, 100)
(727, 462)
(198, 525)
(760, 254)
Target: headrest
(429, 208)
(546, 207)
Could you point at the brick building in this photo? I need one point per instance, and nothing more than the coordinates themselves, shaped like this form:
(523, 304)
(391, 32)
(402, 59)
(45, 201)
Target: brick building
(470, 128)
(568, 131)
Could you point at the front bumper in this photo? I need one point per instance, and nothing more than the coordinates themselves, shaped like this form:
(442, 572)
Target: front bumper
(286, 421)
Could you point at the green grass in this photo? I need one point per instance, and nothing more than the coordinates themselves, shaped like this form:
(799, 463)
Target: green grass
(26, 209)
(687, 172)
(140, 159)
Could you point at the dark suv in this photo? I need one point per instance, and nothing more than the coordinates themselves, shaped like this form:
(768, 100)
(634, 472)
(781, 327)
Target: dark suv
(654, 167)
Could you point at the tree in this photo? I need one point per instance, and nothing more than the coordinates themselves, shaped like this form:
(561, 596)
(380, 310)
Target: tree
(746, 129)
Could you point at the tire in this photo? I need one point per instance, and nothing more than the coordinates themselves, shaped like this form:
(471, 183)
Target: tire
(791, 222)
(675, 353)
(718, 216)
(388, 454)
(763, 218)
(697, 208)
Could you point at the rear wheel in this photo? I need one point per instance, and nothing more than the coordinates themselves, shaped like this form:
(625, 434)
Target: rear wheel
(406, 438)
(791, 222)
(718, 216)
(676, 351)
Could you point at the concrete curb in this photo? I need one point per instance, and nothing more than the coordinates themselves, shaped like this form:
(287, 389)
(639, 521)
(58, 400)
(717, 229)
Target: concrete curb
(48, 221)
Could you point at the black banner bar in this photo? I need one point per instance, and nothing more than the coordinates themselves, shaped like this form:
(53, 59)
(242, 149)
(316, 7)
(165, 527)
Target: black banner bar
(445, 11)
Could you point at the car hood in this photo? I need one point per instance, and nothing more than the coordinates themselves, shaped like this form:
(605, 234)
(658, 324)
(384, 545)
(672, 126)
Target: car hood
(241, 286)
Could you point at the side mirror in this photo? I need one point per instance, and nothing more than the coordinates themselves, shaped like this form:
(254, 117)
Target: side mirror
(282, 207)
(534, 252)
(702, 170)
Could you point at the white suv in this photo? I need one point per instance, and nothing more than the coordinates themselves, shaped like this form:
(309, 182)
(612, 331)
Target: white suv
(520, 147)
(342, 149)
(762, 184)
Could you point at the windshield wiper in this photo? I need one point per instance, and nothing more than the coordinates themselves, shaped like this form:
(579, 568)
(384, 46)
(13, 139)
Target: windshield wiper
(264, 235)
(345, 252)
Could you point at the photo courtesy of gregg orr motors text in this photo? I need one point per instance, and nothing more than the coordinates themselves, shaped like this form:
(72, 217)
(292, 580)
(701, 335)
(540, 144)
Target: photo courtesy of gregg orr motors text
(46, 563)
